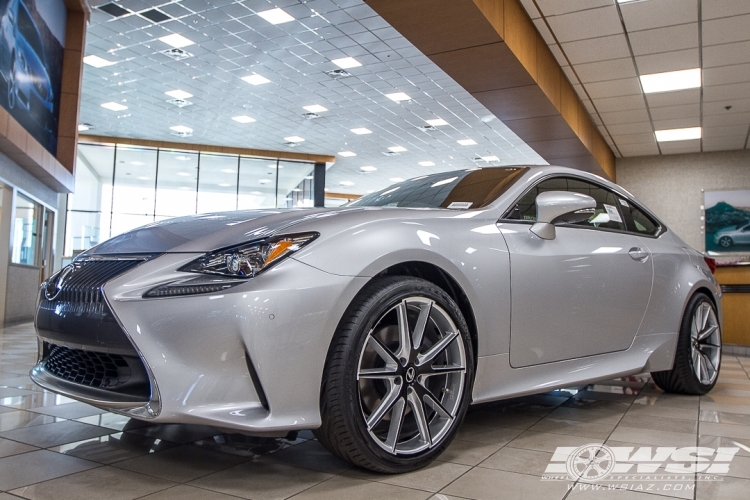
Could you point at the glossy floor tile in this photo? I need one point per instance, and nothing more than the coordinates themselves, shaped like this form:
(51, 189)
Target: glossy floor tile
(53, 447)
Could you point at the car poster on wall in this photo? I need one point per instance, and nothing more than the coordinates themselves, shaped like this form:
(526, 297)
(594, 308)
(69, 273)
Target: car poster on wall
(32, 38)
(727, 222)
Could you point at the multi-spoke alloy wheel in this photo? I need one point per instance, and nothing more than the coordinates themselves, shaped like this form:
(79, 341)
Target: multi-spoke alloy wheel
(698, 353)
(398, 376)
(411, 376)
(705, 343)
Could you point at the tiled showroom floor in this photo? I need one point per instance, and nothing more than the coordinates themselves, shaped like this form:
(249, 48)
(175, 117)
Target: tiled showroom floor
(53, 447)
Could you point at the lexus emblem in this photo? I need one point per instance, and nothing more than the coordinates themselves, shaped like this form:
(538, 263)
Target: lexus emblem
(55, 283)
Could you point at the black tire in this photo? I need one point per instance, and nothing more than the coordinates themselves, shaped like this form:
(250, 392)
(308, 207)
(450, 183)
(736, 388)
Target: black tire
(344, 429)
(726, 241)
(682, 379)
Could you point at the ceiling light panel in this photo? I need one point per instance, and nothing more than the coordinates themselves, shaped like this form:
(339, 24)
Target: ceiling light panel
(97, 62)
(294, 138)
(427, 163)
(361, 131)
(181, 129)
(678, 134)
(346, 63)
(256, 79)
(243, 119)
(315, 108)
(114, 106)
(347, 154)
(466, 142)
(179, 94)
(398, 97)
(276, 16)
(397, 149)
(436, 122)
(177, 41)
(671, 80)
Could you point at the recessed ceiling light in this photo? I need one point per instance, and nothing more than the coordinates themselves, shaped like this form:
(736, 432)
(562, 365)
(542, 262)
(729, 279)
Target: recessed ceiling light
(362, 131)
(397, 149)
(182, 158)
(678, 134)
(176, 41)
(224, 184)
(346, 63)
(137, 163)
(114, 106)
(490, 158)
(184, 174)
(368, 168)
(143, 178)
(396, 179)
(243, 119)
(294, 138)
(179, 94)
(398, 97)
(315, 108)
(264, 181)
(346, 183)
(276, 16)
(671, 80)
(83, 127)
(347, 154)
(256, 79)
(467, 142)
(181, 129)
(437, 122)
(97, 62)
(228, 171)
(427, 163)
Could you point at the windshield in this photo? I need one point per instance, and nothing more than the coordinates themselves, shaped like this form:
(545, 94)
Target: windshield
(462, 189)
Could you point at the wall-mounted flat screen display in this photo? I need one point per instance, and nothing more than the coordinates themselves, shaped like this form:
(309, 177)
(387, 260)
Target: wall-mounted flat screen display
(32, 38)
(727, 221)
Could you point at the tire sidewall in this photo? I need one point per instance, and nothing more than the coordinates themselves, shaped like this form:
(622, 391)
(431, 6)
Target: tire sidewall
(685, 341)
(383, 299)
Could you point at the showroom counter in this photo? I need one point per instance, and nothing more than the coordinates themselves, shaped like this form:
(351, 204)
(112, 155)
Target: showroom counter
(735, 283)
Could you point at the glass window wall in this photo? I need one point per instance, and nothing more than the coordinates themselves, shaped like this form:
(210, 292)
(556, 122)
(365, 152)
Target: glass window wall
(119, 188)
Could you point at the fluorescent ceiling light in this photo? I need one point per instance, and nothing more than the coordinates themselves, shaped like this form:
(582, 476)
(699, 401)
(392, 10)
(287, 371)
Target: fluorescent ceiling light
(176, 41)
(256, 79)
(276, 16)
(184, 174)
(294, 138)
(182, 158)
(395, 179)
(427, 163)
(83, 127)
(114, 106)
(368, 168)
(346, 183)
(224, 184)
(362, 131)
(490, 158)
(243, 119)
(678, 134)
(671, 80)
(467, 142)
(181, 129)
(398, 97)
(264, 181)
(179, 94)
(347, 154)
(315, 108)
(397, 149)
(346, 63)
(437, 122)
(97, 62)
(228, 171)
(625, 1)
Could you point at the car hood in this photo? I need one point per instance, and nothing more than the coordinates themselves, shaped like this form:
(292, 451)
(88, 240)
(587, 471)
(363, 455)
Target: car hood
(728, 229)
(208, 232)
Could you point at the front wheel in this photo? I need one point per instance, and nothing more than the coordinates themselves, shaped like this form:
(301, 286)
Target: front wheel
(398, 377)
(698, 356)
(726, 241)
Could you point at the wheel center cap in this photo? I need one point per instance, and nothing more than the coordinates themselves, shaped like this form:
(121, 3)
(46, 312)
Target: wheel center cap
(410, 375)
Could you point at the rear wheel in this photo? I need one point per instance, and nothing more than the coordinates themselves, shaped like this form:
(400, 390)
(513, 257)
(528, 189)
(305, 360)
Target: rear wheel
(398, 376)
(696, 364)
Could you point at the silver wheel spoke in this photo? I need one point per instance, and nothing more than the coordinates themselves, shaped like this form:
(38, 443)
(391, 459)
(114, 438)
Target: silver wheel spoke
(697, 364)
(385, 405)
(424, 316)
(705, 344)
(436, 349)
(404, 339)
(377, 373)
(429, 371)
(430, 400)
(397, 420)
(391, 361)
(707, 332)
(418, 410)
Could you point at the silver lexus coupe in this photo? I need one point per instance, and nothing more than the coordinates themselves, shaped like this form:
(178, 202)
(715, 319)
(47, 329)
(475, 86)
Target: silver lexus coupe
(378, 323)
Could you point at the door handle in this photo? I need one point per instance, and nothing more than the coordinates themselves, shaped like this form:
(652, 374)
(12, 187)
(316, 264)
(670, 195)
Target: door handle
(637, 253)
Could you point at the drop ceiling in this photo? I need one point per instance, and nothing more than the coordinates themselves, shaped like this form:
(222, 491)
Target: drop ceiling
(232, 41)
(604, 46)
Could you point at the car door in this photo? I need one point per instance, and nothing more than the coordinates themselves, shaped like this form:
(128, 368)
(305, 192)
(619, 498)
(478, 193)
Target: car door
(743, 235)
(580, 294)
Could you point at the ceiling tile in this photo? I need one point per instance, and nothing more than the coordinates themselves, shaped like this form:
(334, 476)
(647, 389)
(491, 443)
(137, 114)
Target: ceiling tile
(613, 69)
(531, 8)
(629, 128)
(615, 104)
(628, 116)
(680, 147)
(730, 92)
(599, 49)
(543, 30)
(726, 30)
(592, 23)
(657, 14)
(724, 8)
(726, 118)
(669, 124)
(671, 38)
(692, 111)
(640, 149)
(725, 131)
(613, 88)
(668, 61)
(724, 143)
(555, 7)
(726, 74)
(639, 138)
(724, 55)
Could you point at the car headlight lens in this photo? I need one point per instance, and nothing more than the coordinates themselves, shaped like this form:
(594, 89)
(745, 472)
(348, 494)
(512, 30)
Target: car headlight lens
(234, 265)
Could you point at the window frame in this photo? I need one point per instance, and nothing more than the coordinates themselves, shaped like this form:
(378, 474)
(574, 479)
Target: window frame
(661, 229)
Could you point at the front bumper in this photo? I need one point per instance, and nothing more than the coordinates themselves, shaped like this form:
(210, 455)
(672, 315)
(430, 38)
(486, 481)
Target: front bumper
(249, 358)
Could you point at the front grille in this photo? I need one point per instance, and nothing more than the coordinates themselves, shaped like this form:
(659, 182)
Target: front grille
(83, 284)
(94, 369)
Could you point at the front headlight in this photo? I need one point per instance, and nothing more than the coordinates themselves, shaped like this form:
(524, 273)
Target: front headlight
(235, 264)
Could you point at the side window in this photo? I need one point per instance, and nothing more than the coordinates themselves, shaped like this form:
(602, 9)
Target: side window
(637, 221)
(606, 215)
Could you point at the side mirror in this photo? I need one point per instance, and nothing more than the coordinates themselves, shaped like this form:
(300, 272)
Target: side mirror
(560, 206)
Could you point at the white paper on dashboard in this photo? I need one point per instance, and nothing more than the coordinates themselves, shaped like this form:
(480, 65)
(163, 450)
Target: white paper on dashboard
(613, 213)
(460, 204)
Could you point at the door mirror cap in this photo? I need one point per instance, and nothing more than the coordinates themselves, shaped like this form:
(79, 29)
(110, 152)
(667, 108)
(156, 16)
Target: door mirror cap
(573, 207)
